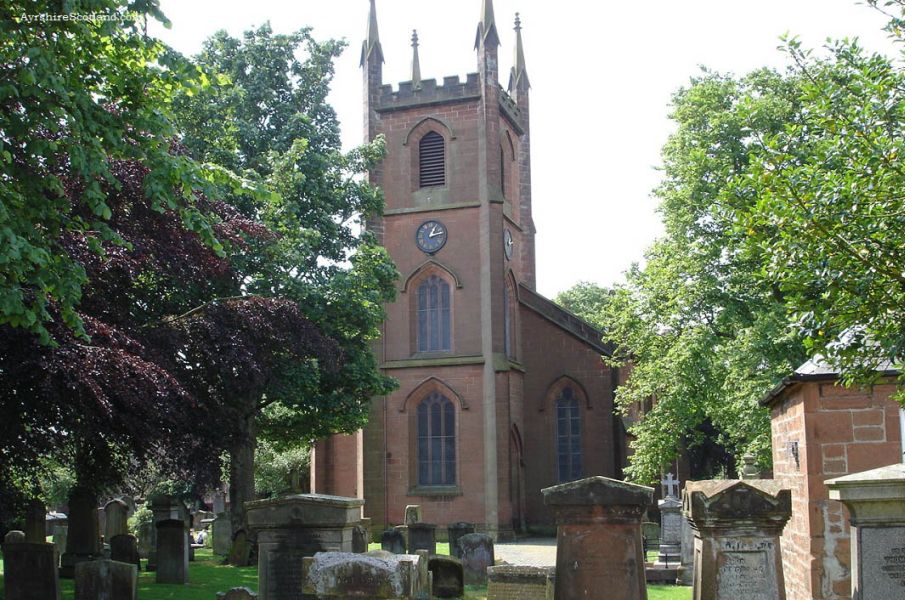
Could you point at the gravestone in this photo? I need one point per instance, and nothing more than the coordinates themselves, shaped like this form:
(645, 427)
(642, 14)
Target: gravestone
(36, 522)
(124, 548)
(412, 514)
(172, 553)
(392, 541)
(375, 575)
(240, 550)
(221, 534)
(199, 517)
(737, 527)
(116, 513)
(360, 538)
(145, 538)
(476, 554)
(876, 504)
(517, 582)
(164, 508)
(650, 534)
(422, 536)
(106, 580)
(456, 531)
(447, 579)
(59, 538)
(218, 503)
(237, 593)
(290, 528)
(685, 574)
(598, 538)
(82, 540)
(670, 548)
(30, 569)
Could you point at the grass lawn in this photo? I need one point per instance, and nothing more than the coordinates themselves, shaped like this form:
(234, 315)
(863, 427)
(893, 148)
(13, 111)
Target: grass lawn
(207, 576)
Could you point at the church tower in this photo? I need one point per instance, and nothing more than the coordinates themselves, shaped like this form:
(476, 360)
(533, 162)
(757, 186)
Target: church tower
(468, 338)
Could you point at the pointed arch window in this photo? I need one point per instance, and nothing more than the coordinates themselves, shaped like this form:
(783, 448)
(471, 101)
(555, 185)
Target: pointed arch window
(434, 318)
(436, 441)
(502, 170)
(568, 436)
(432, 160)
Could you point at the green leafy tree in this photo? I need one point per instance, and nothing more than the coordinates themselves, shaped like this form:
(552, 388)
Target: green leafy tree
(76, 95)
(267, 117)
(587, 300)
(704, 337)
(830, 210)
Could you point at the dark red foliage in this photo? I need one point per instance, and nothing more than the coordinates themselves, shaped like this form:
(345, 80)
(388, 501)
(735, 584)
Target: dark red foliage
(149, 385)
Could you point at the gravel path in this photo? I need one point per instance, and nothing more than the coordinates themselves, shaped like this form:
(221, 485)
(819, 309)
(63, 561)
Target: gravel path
(535, 552)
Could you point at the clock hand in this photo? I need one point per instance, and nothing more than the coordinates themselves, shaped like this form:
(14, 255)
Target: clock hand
(435, 232)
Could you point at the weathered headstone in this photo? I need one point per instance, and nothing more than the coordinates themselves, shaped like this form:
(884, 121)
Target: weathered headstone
(145, 539)
(59, 538)
(876, 504)
(412, 514)
(517, 582)
(165, 508)
(240, 550)
(237, 593)
(360, 538)
(476, 554)
(106, 580)
(35, 522)
(670, 532)
(375, 575)
(172, 553)
(455, 531)
(422, 536)
(737, 527)
(650, 534)
(198, 518)
(116, 513)
(447, 578)
(685, 574)
(392, 541)
(598, 539)
(30, 569)
(218, 503)
(289, 528)
(82, 540)
(221, 534)
(124, 548)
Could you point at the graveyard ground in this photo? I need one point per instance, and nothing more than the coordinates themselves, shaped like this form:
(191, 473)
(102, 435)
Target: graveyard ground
(207, 576)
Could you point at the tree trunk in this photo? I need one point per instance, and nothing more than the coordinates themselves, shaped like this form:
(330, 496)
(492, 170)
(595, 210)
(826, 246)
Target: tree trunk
(241, 488)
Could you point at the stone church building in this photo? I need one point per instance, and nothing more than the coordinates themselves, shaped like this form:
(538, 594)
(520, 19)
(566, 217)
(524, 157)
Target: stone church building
(501, 391)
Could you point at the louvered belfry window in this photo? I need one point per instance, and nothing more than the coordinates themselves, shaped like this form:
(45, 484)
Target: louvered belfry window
(432, 160)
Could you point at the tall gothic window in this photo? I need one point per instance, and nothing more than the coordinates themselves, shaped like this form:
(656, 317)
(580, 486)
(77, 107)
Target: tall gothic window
(568, 436)
(432, 160)
(433, 315)
(436, 441)
(503, 170)
(507, 322)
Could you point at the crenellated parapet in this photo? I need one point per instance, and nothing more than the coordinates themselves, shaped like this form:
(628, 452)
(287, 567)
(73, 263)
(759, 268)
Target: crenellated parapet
(428, 93)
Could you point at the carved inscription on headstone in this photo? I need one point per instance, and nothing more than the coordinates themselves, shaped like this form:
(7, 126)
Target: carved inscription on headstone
(743, 575)
(284, 571)
(882, 562)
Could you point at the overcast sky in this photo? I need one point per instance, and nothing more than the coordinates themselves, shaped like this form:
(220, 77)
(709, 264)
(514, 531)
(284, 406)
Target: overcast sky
(602, 74)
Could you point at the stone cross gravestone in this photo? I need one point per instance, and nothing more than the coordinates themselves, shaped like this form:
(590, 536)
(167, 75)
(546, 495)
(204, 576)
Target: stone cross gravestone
(172, 553)
(392, 541)
(375, 575)
(116, 512)
(124, 548)
(106, 580)
(456, 531)
(422, 536)
(876, 504)
(670, 486)
(476, 554)
(598, 538)
(30, 569)
(290, 528)
(737, 527)
(670, 532)
(447, 577)
(82, 540)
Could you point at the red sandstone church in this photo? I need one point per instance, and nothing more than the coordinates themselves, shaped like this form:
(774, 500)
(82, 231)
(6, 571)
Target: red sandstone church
(502, 392)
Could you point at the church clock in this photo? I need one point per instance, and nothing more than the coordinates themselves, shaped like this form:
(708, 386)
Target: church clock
(507, 243)
(431, 236)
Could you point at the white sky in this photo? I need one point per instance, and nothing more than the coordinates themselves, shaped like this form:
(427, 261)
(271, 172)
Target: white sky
(602, 74)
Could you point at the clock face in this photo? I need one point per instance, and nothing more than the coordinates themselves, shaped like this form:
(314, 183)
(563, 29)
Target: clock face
(431, 236)
(507, 243)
